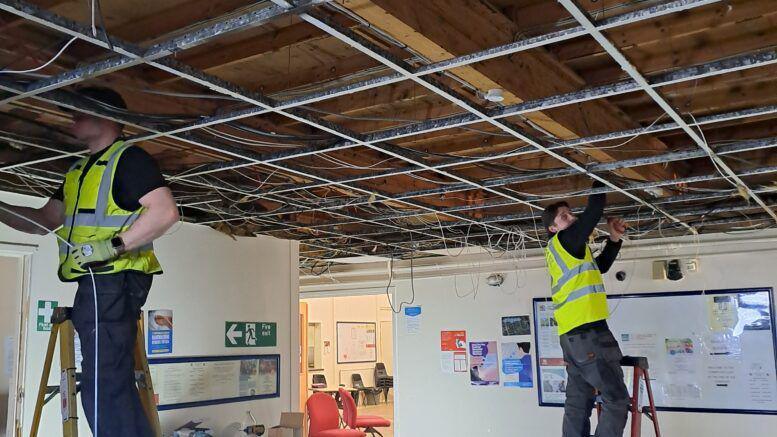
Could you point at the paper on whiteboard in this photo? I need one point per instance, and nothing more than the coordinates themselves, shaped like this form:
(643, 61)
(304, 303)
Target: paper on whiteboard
(639, 344)
(547, 331)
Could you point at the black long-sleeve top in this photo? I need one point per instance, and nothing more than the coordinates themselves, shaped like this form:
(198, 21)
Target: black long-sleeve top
(575, 238)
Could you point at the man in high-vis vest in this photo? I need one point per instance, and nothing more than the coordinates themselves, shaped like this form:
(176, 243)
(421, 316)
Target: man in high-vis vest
(591, 352)
(112, 205)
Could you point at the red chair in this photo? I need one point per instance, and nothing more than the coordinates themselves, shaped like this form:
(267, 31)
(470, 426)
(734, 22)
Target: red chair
(325, 418)
(354, 421)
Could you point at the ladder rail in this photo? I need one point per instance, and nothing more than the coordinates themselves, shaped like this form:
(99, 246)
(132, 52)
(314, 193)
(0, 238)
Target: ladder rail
(640, 366)
(62, 329)
(44, 380)
(653, 415)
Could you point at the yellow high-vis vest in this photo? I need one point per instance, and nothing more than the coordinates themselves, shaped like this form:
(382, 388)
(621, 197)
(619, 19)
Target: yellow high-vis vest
(91, 214)
(577, 287)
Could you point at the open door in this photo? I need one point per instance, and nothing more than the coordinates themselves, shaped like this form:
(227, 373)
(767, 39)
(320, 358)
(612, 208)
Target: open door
(303, 355)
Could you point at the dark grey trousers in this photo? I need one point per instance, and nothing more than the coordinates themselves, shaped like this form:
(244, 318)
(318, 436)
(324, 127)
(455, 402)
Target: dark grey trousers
(119, 299)
(593, 363)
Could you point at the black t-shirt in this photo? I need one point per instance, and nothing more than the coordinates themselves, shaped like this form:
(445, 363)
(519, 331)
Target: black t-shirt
(137, 174)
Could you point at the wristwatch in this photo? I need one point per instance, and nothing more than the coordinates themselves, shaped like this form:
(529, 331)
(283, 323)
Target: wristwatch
(118, 244)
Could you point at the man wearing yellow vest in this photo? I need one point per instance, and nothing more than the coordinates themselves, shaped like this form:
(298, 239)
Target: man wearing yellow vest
(112, 205)
(590, 350)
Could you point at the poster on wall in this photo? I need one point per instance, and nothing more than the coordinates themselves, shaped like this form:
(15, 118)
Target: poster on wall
(483, 363)
(196, 381)
(413, 320)
(516, 364)
(515, 325)
(160, 332)
(356, 342)
(453, 351)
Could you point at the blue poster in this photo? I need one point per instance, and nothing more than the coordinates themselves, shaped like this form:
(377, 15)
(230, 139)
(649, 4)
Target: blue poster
(516, 364)
(160, 332)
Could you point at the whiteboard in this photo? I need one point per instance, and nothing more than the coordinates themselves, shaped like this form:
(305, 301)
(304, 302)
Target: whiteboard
(185, 382)
(707, 351)
(356, 342)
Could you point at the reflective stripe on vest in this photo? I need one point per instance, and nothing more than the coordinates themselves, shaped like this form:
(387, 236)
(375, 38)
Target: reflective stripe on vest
(569, 273)
(577, 287)
(580, 292)
(100, 218)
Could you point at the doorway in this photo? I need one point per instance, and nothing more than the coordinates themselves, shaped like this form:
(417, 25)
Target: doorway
(13, 320)
(350, 339)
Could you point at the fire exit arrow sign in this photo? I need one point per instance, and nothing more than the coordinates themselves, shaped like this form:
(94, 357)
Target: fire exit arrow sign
(250, 334)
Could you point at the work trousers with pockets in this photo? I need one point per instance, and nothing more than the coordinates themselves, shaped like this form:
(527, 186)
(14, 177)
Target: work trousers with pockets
(119, 299)
(593, 363)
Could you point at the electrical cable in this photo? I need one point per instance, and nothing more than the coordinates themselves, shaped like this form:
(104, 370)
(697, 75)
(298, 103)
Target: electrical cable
(54, 58)
(391, 277)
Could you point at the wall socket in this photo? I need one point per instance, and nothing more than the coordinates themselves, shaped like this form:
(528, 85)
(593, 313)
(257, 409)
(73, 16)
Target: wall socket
(659, 270)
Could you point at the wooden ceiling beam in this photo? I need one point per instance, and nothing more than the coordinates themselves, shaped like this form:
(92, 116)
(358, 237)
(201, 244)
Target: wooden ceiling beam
(752, 94)
(693, 49)
(441, 30)
(160, 24)
(17, 21)
(222, 53)
(663, 30)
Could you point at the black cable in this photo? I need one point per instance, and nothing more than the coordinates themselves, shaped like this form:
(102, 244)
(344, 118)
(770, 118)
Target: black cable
(391, 277)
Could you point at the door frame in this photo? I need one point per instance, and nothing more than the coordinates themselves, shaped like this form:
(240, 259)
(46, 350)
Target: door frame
(16, 389)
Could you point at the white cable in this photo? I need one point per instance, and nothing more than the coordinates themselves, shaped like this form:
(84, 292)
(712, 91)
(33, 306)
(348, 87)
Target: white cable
(94, 293)
(94, 33)
(44, 65)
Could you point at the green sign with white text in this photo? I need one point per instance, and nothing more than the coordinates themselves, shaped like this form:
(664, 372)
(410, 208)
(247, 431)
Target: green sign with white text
(250, 334)
(45, 310)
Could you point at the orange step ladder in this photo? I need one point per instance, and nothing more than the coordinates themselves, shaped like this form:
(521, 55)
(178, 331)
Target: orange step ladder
(640, 366)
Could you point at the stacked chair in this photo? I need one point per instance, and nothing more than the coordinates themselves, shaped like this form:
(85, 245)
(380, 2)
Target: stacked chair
(383, 380)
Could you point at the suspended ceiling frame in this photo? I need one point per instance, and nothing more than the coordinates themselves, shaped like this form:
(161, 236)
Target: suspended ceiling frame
(158, 56)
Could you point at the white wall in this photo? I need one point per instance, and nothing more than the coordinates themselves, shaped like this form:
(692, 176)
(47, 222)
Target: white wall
(429, 402)
(208, 279)
(330, 310)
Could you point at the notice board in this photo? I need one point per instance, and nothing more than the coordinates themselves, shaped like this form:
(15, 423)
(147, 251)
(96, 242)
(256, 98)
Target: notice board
(186, 382)
(356, 342)
(711, 351)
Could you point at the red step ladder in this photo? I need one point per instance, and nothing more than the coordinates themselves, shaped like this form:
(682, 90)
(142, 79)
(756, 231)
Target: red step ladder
(640, 366)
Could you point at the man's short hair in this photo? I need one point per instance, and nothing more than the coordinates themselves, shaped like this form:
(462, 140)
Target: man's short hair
(102, 98)
(549, 215)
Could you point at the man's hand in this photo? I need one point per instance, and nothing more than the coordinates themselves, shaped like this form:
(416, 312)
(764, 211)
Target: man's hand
(617, 227)
(93, 253)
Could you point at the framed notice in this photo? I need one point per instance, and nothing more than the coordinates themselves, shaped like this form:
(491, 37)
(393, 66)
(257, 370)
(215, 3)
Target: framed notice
(196, 381)
(356, 342)
(708, 351)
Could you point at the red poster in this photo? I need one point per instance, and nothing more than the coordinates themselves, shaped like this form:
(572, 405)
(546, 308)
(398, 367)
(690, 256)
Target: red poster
(453, 341)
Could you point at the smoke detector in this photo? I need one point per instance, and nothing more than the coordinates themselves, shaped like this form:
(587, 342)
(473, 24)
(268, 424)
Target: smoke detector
(494, 95)
(495, 279)
(655, 191)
